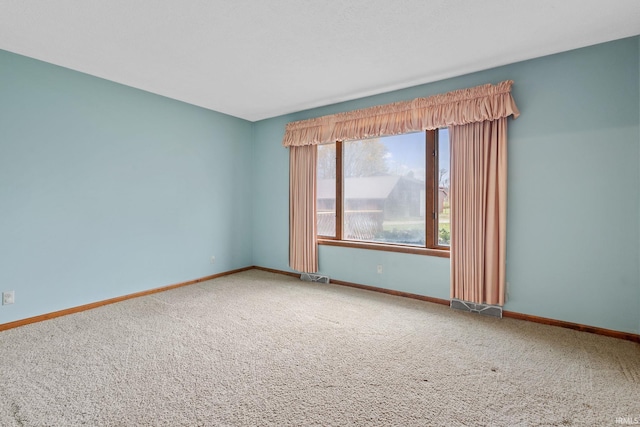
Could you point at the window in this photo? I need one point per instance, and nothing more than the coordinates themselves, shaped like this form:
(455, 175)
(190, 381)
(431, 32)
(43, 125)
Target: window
(388, 193)
(443, 210)
(326, 190)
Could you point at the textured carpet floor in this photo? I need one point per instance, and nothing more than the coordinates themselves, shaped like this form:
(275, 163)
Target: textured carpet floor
(257, 348)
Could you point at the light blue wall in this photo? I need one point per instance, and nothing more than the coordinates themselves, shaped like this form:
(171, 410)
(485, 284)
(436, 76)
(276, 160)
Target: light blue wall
(106, 190)
(574, 200)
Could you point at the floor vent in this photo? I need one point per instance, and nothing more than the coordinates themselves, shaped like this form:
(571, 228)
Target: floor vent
(484, 309)
(317, 278)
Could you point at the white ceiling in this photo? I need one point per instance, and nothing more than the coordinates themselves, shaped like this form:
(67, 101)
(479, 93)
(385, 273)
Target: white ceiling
(256, 59)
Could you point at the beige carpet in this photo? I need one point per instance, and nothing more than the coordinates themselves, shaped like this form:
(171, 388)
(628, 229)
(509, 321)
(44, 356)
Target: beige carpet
(257, 348)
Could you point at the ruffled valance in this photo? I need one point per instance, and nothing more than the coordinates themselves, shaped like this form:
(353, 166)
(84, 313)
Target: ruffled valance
(477, 104)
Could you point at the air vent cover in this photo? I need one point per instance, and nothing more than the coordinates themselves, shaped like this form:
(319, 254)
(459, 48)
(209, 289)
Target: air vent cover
(318, 278)
(484, 309)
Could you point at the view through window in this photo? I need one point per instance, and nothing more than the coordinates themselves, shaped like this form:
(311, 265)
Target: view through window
(326, 190)
(386, 193)
(443, 213)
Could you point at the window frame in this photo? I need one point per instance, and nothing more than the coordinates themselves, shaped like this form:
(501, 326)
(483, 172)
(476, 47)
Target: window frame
(431, 247)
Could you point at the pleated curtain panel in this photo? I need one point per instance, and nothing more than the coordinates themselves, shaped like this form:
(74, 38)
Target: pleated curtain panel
(477, 120)
(303, 244)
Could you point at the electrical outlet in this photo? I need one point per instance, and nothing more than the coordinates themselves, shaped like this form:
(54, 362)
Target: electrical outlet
(213, 260)
(379, 268)
(8, 297)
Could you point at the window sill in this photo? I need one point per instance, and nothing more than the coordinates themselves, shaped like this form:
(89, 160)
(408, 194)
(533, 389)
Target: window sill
(442, 253)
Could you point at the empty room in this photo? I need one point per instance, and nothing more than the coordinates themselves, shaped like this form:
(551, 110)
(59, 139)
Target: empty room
(290, 213)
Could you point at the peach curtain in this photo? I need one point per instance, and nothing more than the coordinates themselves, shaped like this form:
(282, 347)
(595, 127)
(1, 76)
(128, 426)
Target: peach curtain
(302, 209)
(478, 211)
(476, 104)
(461, 108)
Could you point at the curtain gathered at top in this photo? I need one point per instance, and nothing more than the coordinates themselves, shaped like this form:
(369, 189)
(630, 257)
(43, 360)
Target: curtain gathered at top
(460, 107)
(476, 118)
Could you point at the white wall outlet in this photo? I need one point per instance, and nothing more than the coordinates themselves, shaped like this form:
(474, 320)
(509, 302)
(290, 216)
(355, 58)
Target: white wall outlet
(379, 268)
(213, 260)
(8, 297)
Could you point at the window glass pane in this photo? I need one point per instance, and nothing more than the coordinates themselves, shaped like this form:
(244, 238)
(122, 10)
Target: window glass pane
(444, 209)
(384, 189)
(326, 190)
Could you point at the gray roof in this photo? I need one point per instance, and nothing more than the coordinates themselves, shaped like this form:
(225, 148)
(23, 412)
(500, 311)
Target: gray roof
(370, 187)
